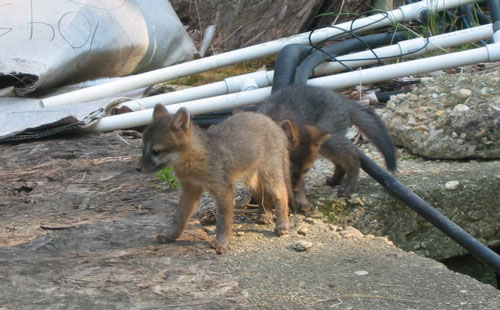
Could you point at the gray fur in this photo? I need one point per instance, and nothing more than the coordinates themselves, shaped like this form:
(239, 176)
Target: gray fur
(332, 113)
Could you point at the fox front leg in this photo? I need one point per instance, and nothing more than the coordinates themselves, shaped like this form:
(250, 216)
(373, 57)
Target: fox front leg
(224, 223)
(301, 201)
(188, 203)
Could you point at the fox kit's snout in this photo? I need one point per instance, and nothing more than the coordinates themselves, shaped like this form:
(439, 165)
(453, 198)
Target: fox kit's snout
(247, 146)
(163, 139)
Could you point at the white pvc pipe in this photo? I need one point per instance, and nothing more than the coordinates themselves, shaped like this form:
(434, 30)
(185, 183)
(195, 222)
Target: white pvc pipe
(413, 46)
(488, 53)
(402, 14)
(229, 85)
(206, 105)
(263, 78)
(208, 35)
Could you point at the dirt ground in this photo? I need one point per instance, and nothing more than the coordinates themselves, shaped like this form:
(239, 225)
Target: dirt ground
(77, 226)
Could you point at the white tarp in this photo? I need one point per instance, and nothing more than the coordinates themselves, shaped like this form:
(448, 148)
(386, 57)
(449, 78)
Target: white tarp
(44, 44)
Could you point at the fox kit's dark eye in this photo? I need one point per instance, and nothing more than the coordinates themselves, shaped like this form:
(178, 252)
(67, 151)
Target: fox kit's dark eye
(155, 152)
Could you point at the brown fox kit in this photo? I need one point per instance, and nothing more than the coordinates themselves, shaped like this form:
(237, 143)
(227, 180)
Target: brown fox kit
(305, 143)
(247, 146)
(334, 114)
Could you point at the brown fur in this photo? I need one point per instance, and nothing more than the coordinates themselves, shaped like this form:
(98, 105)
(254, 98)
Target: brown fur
(305, 144)
(247, 146)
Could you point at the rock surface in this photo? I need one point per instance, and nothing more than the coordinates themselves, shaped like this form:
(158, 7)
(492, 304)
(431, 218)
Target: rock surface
(449, 117)
(77, 226)
(474, 205)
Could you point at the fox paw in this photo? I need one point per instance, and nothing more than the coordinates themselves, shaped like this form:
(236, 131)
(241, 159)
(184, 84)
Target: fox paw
(281, 230)
(303, 205)
(344, 193)
(220, 247)
(165, 238)
(333, 181)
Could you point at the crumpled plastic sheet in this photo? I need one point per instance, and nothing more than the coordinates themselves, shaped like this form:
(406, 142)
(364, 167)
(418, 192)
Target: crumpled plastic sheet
(46, 44)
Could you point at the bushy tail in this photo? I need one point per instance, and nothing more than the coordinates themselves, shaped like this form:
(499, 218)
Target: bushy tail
(374, 128)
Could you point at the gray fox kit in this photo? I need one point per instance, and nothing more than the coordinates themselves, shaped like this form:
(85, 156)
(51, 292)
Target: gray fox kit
(246, 146)
(334, 114)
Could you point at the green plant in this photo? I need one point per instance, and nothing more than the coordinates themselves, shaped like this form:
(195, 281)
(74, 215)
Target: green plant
(333, 208)
(167, 176)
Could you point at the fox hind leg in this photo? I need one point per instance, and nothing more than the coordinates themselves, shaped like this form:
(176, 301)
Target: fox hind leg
(337, 177)
(277, 190)
(345, 157)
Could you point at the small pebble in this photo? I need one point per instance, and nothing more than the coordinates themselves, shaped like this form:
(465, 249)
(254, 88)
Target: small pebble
(440, 112)
(142, 285)
(480, 134)
(452, 185)
(361, 273)
(461, 108)
(464, 93)
(309, 220)
(302, 245)
(302, 230)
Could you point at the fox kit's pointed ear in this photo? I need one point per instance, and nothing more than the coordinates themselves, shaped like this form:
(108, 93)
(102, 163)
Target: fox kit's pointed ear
(317, 136)
(181, 119)
(291, 131)
(160, 111)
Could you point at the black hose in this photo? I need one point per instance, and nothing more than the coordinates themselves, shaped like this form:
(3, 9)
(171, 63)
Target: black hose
(340, 48)
(494, 8)
(467, 15)
(483, 18)
(288, 59)
(384, 96)
(470, 16)
(212, 118)
(417, 204)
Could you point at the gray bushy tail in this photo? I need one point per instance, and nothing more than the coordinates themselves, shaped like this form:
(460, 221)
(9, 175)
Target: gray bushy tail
(374, 128)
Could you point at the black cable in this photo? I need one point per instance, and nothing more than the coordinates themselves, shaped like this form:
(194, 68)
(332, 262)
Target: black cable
(329, 52)
(350, 31)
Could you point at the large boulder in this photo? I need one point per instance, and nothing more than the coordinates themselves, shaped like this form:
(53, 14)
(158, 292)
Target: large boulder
(448, 117)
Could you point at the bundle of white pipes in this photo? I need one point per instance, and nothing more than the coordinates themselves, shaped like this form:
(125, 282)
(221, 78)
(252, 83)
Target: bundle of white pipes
(250, 82)
(259, 79)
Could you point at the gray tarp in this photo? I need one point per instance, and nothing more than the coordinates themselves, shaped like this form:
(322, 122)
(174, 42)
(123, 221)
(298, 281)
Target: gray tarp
(45, 44)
